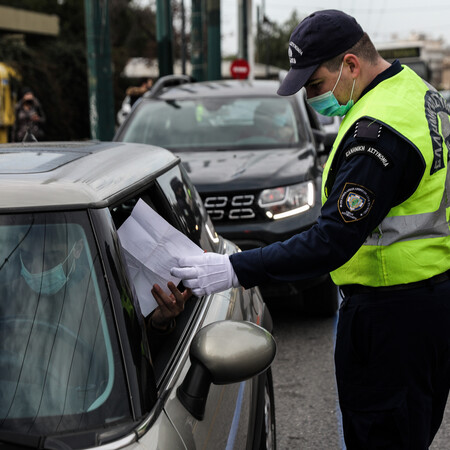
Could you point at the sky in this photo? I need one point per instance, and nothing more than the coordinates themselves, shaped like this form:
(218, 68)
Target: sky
(381, 19)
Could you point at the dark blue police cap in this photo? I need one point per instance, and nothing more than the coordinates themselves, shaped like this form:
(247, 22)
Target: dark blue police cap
(318, 38)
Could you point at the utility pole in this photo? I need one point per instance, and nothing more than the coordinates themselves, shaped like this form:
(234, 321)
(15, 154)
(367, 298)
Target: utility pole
(101, 104)
(243, 29)
(164, 37)
(214, 53)
(183, 39)
(246, 48)
(197, 41)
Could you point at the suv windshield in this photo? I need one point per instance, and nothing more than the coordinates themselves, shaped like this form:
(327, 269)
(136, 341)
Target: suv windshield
(60, 368)
(214, 123)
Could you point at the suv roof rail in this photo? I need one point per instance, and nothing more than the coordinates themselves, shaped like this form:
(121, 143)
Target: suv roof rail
(166, 81)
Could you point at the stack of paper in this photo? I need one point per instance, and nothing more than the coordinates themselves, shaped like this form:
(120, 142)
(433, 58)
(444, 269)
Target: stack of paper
(152, 247)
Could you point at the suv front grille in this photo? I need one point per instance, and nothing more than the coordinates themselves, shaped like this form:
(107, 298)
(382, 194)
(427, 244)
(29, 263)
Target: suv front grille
(231, 207)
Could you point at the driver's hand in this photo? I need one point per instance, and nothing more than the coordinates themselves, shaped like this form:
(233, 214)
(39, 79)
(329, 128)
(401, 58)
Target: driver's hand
(169, 306)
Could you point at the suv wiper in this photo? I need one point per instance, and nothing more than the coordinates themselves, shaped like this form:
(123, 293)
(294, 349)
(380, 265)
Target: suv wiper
(225, 148)
(21, 440)
(173, 103)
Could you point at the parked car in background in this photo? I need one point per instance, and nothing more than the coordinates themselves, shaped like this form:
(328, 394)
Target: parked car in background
(76, 369)
(255, 158)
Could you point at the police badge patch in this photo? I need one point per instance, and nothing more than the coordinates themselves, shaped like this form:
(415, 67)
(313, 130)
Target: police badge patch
(355, 202)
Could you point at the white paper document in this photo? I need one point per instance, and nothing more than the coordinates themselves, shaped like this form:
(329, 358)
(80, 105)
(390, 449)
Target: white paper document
(152, 247)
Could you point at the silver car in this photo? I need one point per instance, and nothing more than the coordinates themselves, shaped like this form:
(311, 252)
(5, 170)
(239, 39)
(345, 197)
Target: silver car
(77, 366)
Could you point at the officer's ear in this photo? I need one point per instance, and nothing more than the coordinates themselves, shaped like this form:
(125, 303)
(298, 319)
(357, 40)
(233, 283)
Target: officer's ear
(353, 63)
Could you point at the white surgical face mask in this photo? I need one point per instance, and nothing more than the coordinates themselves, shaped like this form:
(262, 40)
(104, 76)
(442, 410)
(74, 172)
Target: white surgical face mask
(50, 281)
(327, 104)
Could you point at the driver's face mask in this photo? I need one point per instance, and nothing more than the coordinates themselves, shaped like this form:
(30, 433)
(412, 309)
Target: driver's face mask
(327, 104)
(50, 281)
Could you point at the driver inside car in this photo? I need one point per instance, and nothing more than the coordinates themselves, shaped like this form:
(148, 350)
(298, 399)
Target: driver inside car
(47, 267)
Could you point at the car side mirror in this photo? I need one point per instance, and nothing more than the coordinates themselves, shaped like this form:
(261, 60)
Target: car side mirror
(224, 352)
(319, 136)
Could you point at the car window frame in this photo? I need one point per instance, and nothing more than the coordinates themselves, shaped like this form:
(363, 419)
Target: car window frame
(153, 194)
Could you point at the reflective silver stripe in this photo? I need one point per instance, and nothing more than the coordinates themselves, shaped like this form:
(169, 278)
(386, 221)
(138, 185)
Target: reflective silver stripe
(447, 181)
(410, 228)
(416, 226)
(445, 126)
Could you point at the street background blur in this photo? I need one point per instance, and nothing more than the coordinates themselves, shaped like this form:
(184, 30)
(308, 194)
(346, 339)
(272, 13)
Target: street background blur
(80, 57)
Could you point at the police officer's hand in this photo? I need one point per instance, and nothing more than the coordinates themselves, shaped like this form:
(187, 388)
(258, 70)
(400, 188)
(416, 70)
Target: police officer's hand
(207, 273)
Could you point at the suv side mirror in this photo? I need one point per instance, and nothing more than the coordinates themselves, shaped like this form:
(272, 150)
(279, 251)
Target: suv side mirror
(319, 136)
(224, 352)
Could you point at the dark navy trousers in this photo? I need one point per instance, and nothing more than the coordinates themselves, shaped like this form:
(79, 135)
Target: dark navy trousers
(392, 360)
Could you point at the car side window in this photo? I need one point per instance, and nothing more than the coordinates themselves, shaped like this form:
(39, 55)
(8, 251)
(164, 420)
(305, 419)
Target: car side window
(180, 205)
(187, 206)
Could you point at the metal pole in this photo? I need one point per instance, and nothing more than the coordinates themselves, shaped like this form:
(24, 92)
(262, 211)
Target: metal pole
(183, 39)
(197, 61)
(244, 30)
(214, 54)
(101, 105)
(164, 37)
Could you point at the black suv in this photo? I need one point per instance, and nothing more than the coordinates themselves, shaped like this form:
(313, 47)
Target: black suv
(255, 158)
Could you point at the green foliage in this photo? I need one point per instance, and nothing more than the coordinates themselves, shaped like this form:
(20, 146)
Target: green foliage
(133, 34)
(56, 68)
(272, 41)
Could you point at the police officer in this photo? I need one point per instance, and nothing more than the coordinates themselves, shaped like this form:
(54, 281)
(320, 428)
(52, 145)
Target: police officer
(383, 233)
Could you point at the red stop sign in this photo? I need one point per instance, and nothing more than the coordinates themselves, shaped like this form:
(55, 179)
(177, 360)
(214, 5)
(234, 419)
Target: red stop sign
(240, 69)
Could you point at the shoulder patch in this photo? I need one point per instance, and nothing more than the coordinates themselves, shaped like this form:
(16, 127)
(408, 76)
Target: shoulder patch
(355, 202)
(368, 130)
(370, 151)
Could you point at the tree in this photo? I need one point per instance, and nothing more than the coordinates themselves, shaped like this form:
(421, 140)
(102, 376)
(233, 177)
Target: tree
(56, 68)
(272, 41)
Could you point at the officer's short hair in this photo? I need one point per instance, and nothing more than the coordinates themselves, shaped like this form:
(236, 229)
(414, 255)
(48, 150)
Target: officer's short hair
(364, 49)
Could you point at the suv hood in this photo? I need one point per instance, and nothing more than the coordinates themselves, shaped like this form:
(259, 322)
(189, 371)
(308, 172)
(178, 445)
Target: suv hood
(233, 170)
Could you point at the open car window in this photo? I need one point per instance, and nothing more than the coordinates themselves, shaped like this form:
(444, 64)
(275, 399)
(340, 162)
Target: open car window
(177, 201)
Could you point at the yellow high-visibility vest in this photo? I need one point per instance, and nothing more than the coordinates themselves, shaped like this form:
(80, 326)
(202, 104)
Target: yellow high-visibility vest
(412, 243)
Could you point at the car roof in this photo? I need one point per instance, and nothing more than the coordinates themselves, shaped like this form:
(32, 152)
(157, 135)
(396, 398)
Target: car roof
(222, 88)
(74, 175)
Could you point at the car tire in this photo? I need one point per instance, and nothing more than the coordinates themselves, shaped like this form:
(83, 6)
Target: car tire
(268, 439)
(321, 300)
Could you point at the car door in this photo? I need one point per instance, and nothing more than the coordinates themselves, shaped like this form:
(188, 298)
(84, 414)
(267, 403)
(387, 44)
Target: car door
(226, 420)
(227, 415)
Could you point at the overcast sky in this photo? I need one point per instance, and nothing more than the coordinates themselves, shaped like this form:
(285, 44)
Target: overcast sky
(380, 18)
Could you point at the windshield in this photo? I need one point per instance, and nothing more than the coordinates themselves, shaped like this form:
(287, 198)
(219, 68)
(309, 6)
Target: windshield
(59, 364)
(214, 123)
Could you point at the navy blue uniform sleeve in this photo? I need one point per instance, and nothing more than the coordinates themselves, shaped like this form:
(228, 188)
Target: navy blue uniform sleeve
(360, 178)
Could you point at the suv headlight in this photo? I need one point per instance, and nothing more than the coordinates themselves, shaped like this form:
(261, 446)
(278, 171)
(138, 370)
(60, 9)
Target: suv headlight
(286, 201)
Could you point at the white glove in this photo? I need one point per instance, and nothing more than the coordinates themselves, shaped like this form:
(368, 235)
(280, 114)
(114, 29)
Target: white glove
(206, 274)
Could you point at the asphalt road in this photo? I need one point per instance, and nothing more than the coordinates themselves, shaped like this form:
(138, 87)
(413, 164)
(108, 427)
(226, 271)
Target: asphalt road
(307, 411)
